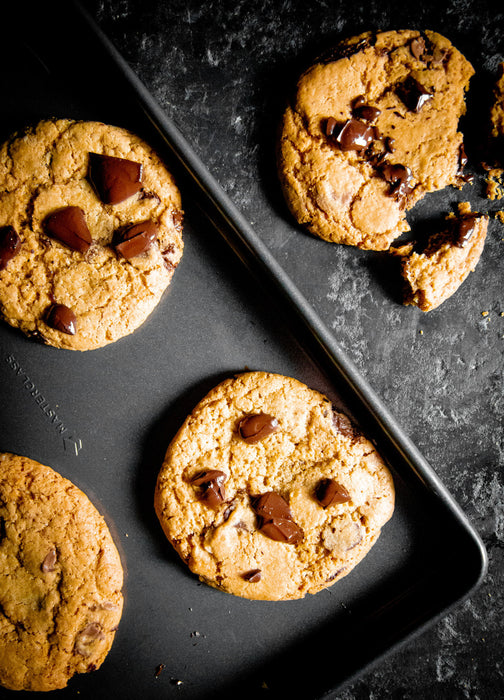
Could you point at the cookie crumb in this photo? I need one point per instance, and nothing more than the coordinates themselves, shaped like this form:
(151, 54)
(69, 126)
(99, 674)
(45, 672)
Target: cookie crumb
(484, 313)
(159, 670)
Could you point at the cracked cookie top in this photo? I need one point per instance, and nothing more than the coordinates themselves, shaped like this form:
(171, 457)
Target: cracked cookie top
(60, 579)
(90, 232)
(268, 492)
(373, 128)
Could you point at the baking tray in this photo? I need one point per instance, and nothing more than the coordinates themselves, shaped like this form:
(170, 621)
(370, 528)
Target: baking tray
(230, 307)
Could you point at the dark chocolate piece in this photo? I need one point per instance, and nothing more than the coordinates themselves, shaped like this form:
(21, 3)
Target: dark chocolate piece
(255, 428)
(345, 50)
(417, 47)
(114, 179)
(49, 561)
(413, 94)
(361, 110)
(463, 229)
(61, 318)
(136, 239)
(329, 492)
(10, 243)
(272, 505)
(353, 135)
(389, 142)
(68, 226)
(282, 530)
(331, 124)
(343, 424)
(212, 487)
(275, 518)
(252, 576)
(399, 177)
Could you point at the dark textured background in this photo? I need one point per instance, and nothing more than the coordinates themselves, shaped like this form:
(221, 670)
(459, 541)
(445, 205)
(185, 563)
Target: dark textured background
(221, 70)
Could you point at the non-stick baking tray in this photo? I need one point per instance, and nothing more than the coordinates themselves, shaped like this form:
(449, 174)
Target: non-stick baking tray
(111, 413)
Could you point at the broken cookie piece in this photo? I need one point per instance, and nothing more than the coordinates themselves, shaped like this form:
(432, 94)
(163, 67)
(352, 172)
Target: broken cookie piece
(434, 273)
(372, 129)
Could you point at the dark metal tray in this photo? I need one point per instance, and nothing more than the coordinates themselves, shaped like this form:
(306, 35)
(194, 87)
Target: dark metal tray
(113, 411)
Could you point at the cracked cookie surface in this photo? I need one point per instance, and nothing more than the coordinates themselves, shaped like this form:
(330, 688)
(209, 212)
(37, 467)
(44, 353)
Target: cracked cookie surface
(268, 493)
(60, 579)
(372, 129)
(46, 171)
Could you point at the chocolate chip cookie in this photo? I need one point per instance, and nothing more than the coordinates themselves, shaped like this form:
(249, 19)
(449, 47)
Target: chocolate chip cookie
(372, 129)
(434, 271)
(90, 232)
(268, 492)
(60, 579)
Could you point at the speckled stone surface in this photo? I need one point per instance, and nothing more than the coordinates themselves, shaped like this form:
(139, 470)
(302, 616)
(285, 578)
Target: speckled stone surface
(221, 71)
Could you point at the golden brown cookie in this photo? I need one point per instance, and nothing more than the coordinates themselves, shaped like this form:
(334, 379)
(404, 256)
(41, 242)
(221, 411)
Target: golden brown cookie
(90, 232)
(60, 579)
(372, 129)
(269, 493)
(431, 275)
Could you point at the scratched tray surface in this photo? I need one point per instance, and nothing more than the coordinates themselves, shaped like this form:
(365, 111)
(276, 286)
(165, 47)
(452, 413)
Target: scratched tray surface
(104, 418)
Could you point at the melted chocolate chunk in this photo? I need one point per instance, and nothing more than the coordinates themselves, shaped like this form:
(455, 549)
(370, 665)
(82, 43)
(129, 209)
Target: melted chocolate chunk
(329, 492)
(331, 124)
(363, 111)
(413, 94)
(275, 518)
(345, 50)
(86, 637)
(211, 483)
(61, 318)
(282, 530)
(353, 135)
(68, 226)
(255, 428)
(389, 144)
(272, 505)
(135, 239)
(417, 47)
(49, 561)
(252, 576)
(400, 179)
(114, 179)
(342, 424)
(10, 243)
(463, 229)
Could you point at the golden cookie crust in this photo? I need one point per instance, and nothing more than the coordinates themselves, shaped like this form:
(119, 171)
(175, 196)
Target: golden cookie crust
(60, 579)
(342, 196)
(46, 169)
(225, 546)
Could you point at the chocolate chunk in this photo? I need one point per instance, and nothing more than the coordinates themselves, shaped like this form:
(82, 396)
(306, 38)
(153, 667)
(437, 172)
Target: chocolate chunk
(68, 226)
(136, 239)
(331, 124)
(400, 179)
(10, 243)
(212, 487)
(345, 50)
(329, 492)
(271, 505)
(389, 144)
(413, 94)
(61, 318)
(361, 110)
(343, 424)
(353, 135)
(49, 561)
(417, 47)
(114, 179)
(256, 427)
(91, 668)
(252, 576)
(282, 530)
(86, 637)
(463, 229)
